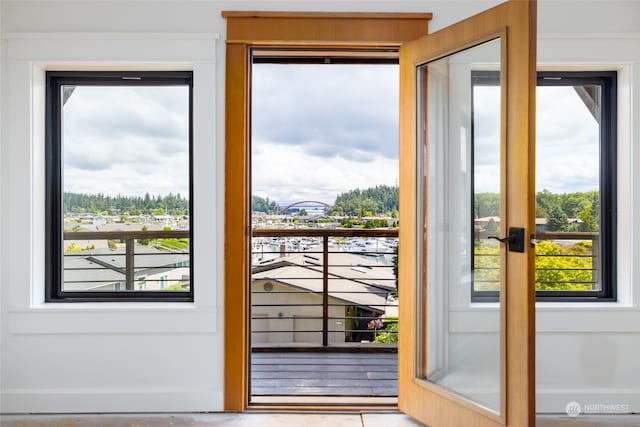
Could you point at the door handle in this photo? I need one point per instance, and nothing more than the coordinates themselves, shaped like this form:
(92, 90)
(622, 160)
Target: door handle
(515, 239)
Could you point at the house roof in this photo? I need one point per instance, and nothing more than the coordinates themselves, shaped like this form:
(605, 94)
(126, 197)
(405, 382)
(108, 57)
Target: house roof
(359, 280)
(84, 270)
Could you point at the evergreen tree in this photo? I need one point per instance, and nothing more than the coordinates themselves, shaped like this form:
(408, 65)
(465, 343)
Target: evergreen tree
(557, 219)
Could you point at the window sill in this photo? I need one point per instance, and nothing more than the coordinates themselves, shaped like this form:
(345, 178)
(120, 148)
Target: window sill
(112, 306)
(583, 305)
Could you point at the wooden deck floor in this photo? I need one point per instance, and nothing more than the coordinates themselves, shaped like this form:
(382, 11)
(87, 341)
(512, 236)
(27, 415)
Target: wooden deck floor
(324, 374)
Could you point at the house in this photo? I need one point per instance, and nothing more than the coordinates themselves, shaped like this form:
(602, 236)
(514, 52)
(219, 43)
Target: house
(287, 296)
(184, 356)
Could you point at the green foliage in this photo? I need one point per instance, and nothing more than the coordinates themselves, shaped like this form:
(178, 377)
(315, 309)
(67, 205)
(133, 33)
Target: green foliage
(175, 244)
(557, 208)
(557, 220)
(486, 266)
(389, 332)
(322, 220)
(546, 199)
(144, 242)
(346, 222)
(258, 204)
(73, 247)
(376, 223)
(561, 267)
(100, 203)
(558, 266)
(176, 287)
(486, 204)
(382, 199)
(589, 219)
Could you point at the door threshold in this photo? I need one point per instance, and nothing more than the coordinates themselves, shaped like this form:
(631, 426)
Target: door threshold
(324, 402)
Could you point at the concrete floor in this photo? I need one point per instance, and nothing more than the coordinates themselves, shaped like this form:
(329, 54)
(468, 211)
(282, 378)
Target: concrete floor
(278, 419)
(217, 420)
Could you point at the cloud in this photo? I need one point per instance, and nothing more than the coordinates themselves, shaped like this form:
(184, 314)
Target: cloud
(127, 140)
(317, 131)
(331, 111)
(567, 146)
(567, 141)
(486, 135)
(286, 173)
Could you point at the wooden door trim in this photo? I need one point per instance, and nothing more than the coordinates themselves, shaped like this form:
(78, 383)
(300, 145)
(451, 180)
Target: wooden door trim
(447, 408)
(246, 30)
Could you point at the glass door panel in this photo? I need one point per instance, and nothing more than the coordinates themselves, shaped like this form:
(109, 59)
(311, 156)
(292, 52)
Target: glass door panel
(461, 142)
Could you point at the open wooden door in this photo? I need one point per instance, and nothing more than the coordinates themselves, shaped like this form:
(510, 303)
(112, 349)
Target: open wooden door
(467, 360)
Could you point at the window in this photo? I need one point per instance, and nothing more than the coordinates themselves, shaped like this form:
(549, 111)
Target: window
(575, 188)
(163, 281)
(142, 283)
(118, 185)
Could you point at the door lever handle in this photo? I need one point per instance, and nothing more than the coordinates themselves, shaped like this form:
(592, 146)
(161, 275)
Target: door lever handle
(515, 239)
(508, 239)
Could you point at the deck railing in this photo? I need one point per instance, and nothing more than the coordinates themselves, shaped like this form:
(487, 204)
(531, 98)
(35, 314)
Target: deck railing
(564, 261)
(126, 260)
(329, 287)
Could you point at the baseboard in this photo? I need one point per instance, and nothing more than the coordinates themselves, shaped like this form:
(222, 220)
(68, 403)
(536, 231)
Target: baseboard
(53, 401)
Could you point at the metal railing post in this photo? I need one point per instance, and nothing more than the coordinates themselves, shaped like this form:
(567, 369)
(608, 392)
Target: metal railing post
(325, 291)
(129, 264)
(595, 262)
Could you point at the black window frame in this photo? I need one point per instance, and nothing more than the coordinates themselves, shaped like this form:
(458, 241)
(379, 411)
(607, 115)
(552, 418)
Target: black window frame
(608, 169)
(54, 216)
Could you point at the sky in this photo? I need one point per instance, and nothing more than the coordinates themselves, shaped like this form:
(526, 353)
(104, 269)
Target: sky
(317, 131)
(567, 145)
(126, 140)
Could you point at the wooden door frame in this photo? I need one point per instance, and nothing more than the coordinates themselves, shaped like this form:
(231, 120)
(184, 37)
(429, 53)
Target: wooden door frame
(446, 408)
(246, 30)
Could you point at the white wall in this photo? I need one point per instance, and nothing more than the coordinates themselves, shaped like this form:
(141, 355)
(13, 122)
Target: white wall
(587, 352)
(168, 357)
(114, 356)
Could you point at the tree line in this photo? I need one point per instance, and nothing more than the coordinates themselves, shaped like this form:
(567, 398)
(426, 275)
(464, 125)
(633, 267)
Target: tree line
(557, 209)
(171, 204)
(381, 199)
(260, 204)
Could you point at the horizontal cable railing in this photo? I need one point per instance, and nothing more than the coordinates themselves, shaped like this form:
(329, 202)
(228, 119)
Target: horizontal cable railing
(324, 287)
(141, 260)
(564, 261)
